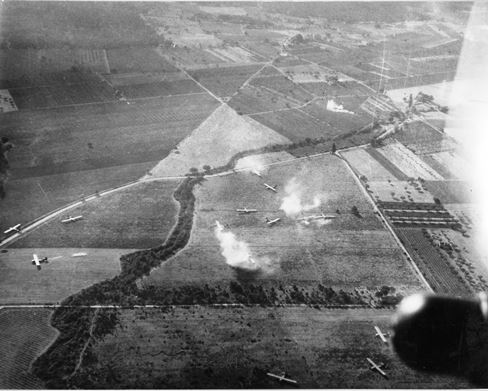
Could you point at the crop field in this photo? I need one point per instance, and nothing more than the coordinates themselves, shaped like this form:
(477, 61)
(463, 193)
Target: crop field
(137, 59)
(149, 214)
(25, 334)
(308, 73)
(461, 250)
(340, 89)
(23, 67)
(294, 124)
(441, 274)
(450, 192)
(127, 79)
(234, 54)
(313, 53)
(215, 141)
(202, 347)
(408, 162)
(417, 133)
(65, 274)
(283, 86)
(253, 100)
(88, 91)
(191, 58)
(84, 138)
(292, 251)
(224, 81)
(266, 50)
(366, 165)
(29, 198)
(162, 88)
(387, 164)
(353, 120)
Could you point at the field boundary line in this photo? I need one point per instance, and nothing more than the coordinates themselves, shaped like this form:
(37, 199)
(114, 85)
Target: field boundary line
(215, 305)
(385, 221)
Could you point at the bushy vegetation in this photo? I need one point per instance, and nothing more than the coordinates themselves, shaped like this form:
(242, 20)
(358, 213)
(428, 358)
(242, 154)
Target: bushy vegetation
(74, 321)
(246, 293)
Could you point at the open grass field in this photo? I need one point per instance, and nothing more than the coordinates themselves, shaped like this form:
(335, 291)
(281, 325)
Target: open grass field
(399, 191)
(224, 81)
(64, 275)
(81, 138)
(451, 192)
(215, 141)
(26, 333)
(137, 217)
(345, 252)
(204, 347)
(137, 59)
(29, 198)
(366, 165)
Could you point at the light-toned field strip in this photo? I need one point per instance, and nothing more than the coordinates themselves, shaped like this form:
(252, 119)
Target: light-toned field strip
(408, 162)
(368, 166)
(385, 222)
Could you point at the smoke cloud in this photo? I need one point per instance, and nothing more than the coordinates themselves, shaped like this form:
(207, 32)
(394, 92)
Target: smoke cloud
(293, 203)
(237, 253)
(254, 164)
(332, 106)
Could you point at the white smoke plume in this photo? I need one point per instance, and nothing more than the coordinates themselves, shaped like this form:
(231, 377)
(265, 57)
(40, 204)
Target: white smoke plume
(332, 106)
(237, 253)
(293, 203)
(253, 164)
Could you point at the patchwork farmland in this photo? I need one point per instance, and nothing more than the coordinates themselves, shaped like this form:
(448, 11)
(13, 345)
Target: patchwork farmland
(258, 191)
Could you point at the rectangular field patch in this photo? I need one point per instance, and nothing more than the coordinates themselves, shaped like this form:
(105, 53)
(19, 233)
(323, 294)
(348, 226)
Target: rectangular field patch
(394, 170)
(408, 162)
(7, 103)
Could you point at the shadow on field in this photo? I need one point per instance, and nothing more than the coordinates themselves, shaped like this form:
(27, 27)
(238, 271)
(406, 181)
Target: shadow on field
(243, 275)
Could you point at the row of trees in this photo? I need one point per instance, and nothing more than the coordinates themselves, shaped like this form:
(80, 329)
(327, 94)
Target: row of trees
(247, 293)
